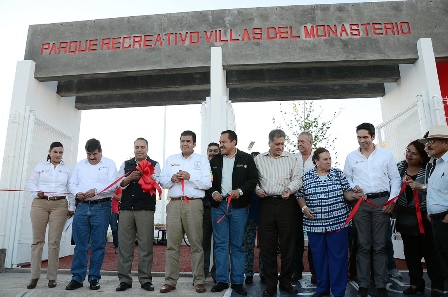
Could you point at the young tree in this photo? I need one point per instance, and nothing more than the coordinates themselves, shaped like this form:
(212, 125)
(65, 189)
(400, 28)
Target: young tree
(301, 116)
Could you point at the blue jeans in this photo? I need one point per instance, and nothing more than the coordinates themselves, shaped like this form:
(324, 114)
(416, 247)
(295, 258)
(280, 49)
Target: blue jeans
(114, 227)
(229, 237)
(89, 230)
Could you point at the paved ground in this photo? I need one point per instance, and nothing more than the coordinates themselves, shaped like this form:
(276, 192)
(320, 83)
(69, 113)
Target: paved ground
(13, 283)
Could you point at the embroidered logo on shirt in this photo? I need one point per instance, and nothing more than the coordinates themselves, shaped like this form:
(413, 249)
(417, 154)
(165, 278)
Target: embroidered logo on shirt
(197, 165)
(174, 164)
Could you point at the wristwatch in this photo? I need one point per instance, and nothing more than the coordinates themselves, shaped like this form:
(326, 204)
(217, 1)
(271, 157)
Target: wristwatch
(241, 192)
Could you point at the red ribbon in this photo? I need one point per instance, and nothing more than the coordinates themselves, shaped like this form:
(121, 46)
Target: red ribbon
(117, 180)
(355, 209)
(182, 183)
(146, 182)
(418, 212)
(229, 199)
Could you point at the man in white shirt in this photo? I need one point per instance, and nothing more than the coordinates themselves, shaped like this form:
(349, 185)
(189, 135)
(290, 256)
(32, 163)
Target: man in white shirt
(91, 220)
(305, 146)
(437, 193)
(372, 172)
(187, 176)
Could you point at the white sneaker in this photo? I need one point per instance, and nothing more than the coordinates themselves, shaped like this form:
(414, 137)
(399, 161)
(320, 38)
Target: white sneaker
(395, 273)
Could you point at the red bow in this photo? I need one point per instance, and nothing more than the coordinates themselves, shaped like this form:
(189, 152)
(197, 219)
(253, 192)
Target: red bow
(146, 181)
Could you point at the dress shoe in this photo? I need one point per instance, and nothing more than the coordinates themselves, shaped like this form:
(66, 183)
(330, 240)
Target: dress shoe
(219, 287)
(313, 279)
(148, 286)
(288, 288)
(33, 283)
(436, 293)
(320, 294)
(382, 292)
(52, 283)
(270, 291)
(362, 292)
(94, 284)
(249, 279)
(167, 288)
(73, 285)
(200, 288)
(239, 288)
(123, 287)
(296, 276)
(413, 290)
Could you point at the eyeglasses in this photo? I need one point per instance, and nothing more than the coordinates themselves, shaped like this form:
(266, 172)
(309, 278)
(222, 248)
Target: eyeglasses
(431, 141)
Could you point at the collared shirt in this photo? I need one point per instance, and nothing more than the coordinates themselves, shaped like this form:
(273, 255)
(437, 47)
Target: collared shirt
(200, 179)
(276, 173)
(437, 190)
(324, 195)
(99, 176)
(308, 164)
(54, 180)
(155, 176)
(227, 171)
(377, 173)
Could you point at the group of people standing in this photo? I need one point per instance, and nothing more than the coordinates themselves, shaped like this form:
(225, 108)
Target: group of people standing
(215, 196)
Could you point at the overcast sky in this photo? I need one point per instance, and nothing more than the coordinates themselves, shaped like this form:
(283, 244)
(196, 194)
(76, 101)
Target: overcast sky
(116, 138)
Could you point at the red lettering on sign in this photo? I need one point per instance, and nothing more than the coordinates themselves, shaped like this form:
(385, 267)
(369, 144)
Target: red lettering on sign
(282, 32)
(322, 29)
(246, 35)
(231, 39)
(208, 36)
(366, 29)
(137, 40)
(389, 27)
(80, 48)
(377, 29)
(53, 49)
(63, 47)
(194, 37)
(168, 38)
(271, 33)
(257, 34)
(220, 39)
(158, 40)
(291, 35)
(105, 43)
(332, 30)
(44, 47)
(127, 42)
(147, 40)
(354, 30)
(405, 28)
(93, 43)
(343, 31)
(116, 43)
(73, 47)
(308, 33)
(183, 38)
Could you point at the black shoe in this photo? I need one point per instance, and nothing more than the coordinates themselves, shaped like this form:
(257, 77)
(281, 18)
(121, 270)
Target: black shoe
(270, 291)
(32, 284)
(239, 288)
(219, 287)
(436, 293)
(288, 288)
(413, 291)
(382, 292)
(362, 292)
(249, 279)
(148, 286)
(262, 279)
(123, 287)
(313, 279)
(320, 294)
(296, 276)
(73, 285)
(94, 284)
(52, 283)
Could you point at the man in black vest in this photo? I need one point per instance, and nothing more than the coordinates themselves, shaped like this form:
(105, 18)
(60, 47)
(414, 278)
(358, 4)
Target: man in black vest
(136, 221)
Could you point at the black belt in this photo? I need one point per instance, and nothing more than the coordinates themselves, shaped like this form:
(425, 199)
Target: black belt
(277, 197)
(52, 198)
(94, 201)
(377, 195)
(438, 216)
(184, 198)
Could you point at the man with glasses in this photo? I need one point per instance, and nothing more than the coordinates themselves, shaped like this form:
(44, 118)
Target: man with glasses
(437, 193)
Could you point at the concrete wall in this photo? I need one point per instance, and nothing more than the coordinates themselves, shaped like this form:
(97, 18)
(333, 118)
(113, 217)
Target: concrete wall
(367, 33)
(38, 116)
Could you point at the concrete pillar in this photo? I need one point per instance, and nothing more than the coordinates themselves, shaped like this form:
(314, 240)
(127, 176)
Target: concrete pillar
(38, 116)
(217, 111)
